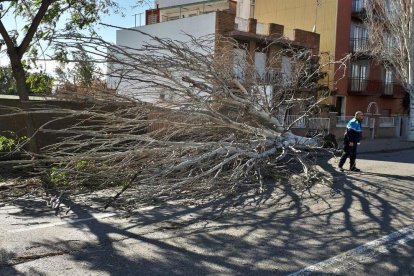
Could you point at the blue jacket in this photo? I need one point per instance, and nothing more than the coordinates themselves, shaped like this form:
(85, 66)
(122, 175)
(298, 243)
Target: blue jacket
(353, 131)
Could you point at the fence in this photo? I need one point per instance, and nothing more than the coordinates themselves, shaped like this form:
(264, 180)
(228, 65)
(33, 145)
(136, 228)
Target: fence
(342, 121)
(387, 121)
(319, 123)
(373, 126)
(299, 121)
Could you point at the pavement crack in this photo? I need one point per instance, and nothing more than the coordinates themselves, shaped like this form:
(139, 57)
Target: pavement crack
(28, 258)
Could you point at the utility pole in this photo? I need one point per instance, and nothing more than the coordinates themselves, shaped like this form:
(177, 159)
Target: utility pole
(318, 3)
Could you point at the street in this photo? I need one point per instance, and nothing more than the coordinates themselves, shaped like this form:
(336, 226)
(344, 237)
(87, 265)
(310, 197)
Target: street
(361, 225)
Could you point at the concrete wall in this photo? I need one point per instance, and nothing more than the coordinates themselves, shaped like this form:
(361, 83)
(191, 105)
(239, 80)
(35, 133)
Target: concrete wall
(177, 29)
(12, 120)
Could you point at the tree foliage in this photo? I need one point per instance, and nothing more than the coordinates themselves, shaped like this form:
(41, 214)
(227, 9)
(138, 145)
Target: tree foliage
(85, 69)
(7, 82)
(41, 21)
(40, 83)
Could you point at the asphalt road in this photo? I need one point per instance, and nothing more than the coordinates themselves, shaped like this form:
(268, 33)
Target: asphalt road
(363, 224)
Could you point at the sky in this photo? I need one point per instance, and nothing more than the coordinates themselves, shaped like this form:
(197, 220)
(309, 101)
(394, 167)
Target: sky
(131, 16)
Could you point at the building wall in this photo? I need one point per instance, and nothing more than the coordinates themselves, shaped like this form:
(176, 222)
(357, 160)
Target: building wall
(301, 14)
(243, 9)
(333, 22)
(343, 29)
(305, 15)
(361, 103)
(197, 26)
(180, 30)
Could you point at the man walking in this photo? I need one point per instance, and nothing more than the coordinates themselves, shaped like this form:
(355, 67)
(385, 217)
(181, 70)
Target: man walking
(352, 137)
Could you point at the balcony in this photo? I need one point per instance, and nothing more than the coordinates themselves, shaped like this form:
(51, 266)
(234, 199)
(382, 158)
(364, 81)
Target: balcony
(270, 77)
(365, 87)
(393, 90)
(359, 45)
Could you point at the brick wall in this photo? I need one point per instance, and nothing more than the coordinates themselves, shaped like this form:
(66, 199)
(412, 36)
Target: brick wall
(307, 39)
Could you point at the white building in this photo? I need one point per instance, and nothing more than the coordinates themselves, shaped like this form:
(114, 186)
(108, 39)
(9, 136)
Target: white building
(182, 20)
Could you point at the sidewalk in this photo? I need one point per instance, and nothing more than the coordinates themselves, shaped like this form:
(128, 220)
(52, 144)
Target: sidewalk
(385, 144)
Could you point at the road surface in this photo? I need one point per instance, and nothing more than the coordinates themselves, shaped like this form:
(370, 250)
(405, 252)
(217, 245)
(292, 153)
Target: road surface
(361, 225)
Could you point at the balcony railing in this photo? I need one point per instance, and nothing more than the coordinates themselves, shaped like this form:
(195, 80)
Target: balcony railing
(270, 77)
(365, 87)
(359, 45)
(387, 121)
(360, 86)
(297, 120)
(393, 90)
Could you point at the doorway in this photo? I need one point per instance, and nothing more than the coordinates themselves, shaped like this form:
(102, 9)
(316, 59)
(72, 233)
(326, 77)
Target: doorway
(340, 105)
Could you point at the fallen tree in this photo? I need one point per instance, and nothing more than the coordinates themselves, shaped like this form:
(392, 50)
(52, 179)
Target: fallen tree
(204, 130)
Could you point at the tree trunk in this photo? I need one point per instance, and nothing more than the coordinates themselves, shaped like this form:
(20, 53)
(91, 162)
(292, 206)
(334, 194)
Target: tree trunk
(410, 131)
(23, 93)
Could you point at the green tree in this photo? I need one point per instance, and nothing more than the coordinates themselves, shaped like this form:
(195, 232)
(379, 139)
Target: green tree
(40, 20)
(38, 82)
(7, 82)
(84, 69)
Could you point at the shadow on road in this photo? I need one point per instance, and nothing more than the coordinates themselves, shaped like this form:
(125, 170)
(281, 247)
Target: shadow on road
(274, 233)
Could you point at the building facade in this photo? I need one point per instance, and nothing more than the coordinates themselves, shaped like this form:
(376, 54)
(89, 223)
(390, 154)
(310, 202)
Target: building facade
(182, 19)
(365, 84)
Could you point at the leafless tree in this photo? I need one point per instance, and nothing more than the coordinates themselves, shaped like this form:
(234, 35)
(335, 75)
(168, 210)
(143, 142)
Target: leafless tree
(390, 27)
(185, 123)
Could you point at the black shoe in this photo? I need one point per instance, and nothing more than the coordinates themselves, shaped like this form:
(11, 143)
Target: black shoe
(354, 169)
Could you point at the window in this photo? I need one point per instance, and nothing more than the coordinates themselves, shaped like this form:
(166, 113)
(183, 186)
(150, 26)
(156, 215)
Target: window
(358, 5)
(252, 7)
(174, 17)
(390, 43)
(260, 64)
(340, 105)
(286, 71)
(359, 76)
(359, 38)
(388, 82)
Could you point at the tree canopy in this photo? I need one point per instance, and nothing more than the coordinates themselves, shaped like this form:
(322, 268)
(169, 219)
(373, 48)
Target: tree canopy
(40, 83)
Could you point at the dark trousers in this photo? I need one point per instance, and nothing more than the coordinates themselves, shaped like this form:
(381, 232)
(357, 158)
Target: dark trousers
(350, 152)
